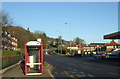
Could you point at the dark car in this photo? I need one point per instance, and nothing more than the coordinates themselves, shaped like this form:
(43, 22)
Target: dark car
(105, 55)
(98, 55)
(49, 52)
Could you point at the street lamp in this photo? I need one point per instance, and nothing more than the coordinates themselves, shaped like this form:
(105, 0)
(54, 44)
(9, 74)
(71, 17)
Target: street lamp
(60, 41)
(70, 34)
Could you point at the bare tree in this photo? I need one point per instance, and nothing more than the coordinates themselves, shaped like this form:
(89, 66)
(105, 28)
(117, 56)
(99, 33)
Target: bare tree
(6, 20)
(0, 18)
(38, 32)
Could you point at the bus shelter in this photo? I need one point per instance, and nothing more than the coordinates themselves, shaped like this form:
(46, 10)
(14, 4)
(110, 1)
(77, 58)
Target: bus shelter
(115, 35)
(33, 56)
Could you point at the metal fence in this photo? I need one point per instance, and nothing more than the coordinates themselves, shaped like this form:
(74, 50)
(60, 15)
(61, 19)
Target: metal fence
(10, 60)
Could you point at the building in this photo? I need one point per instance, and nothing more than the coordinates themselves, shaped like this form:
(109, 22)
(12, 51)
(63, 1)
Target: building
(112, 46)
(72, 46)
(89, 48)
(8, 41)
(93, 46)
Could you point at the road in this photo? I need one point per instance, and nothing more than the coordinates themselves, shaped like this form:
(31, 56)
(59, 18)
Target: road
(86, 66)
(69, 67)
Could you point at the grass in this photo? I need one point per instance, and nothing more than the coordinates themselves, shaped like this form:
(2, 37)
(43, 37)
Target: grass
(10, 57)
(45, 64)
(9, 53)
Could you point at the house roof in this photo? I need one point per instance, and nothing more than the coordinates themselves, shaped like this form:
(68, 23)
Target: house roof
(115, 35)
(97, 43)
(72, 44)
(112, 43)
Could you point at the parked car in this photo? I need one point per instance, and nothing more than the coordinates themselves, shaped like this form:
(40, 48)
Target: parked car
(115, 54)
(105, 55)
(49, 52)
(98, 55)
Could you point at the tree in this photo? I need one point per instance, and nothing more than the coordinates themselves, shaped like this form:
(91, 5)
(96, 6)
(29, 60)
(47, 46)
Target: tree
(6, 20)
(37, 32)
(28, 29)
(78, 41)
(0, 18)
(59, 40)
(41, 34)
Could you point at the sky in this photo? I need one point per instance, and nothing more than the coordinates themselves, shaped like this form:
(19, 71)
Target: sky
(86, 20)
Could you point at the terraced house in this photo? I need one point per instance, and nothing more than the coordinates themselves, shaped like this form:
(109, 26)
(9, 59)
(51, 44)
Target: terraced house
(8, 41)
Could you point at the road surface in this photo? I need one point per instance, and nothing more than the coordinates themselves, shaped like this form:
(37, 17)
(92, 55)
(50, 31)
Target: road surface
(86, 66)
(68, 67)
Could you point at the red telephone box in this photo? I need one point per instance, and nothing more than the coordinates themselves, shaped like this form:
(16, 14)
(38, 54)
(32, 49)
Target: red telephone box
(33, 56)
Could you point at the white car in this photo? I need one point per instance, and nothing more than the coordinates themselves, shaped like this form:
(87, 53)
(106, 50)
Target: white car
(115, 54)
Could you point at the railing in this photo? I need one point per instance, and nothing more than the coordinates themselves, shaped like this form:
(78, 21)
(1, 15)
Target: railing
(10, 60)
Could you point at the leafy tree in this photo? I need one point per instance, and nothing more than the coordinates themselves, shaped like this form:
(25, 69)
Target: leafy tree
(42, 35)
(32, 36)
(78, 41)
(59, 40)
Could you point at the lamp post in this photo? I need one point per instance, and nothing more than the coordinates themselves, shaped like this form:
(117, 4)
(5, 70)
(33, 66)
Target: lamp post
(70, 34)
(60, 41)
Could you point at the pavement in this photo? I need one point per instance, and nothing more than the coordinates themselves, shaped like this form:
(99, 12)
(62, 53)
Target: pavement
(15, 71)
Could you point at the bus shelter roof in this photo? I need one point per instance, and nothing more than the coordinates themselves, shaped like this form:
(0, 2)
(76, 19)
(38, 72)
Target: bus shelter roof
(115, 35)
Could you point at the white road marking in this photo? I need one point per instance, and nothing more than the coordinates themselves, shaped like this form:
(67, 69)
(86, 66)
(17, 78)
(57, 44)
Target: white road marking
(50, 73)
(74, 70)
(90, 75)
(79, 75)
(65, 72)
(56, 73)
(113, 73)
(81, 72)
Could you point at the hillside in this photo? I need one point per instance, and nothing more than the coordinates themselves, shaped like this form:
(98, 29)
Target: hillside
(18, 32)
(24, 35)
